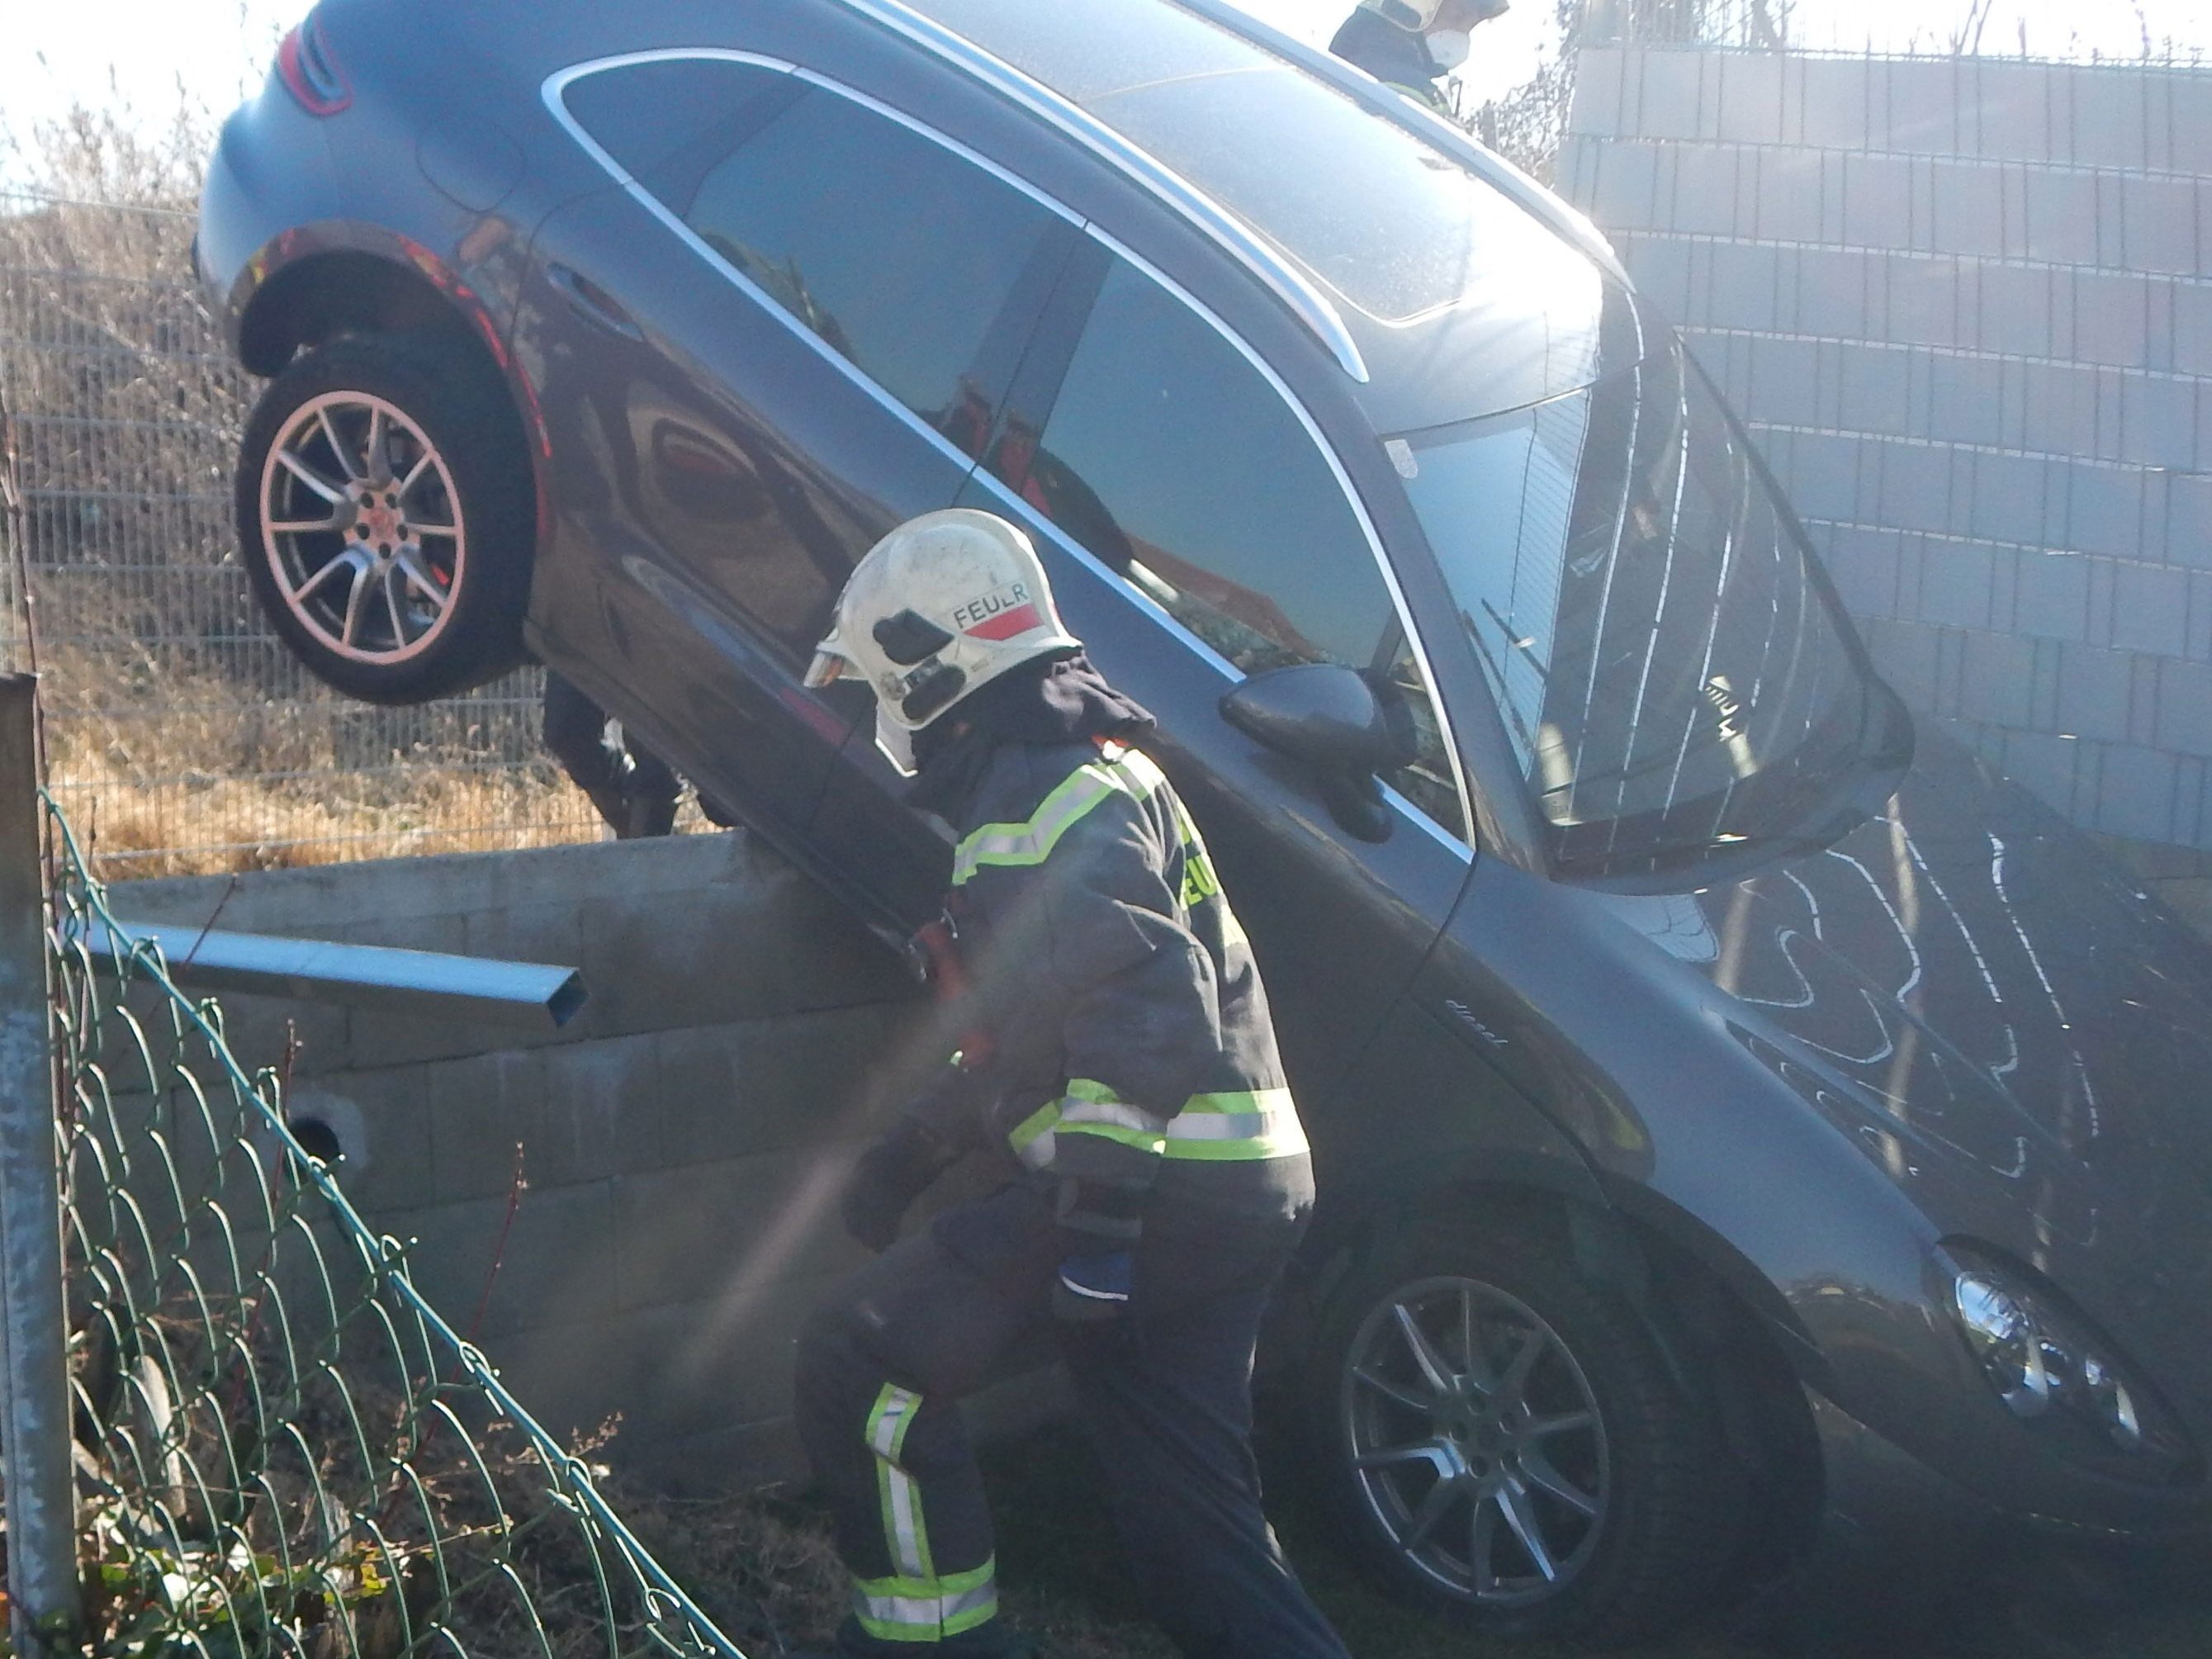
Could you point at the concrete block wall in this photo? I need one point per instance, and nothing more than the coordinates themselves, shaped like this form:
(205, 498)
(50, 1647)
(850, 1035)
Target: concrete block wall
(682, 1141)
(1966, 307)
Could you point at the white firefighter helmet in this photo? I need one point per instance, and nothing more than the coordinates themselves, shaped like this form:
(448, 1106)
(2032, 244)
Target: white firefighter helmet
(944, 603)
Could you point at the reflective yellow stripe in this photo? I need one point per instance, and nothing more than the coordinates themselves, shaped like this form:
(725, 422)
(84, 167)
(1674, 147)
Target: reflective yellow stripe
(1030, 841)
(1111, 1120)
(1242, 1100)
(904, 1533)
(1240, 1126)
(1270, 1139)
(1236, 1126)
(1137, 764)
(1036, 1123)
(927, 1610)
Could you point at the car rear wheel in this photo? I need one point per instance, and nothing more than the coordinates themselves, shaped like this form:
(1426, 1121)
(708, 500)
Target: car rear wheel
(1506, 1442)
(387, 517)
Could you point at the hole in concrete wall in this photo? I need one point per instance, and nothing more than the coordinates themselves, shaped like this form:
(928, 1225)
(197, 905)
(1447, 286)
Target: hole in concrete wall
(318, 1139)
(331, 1128)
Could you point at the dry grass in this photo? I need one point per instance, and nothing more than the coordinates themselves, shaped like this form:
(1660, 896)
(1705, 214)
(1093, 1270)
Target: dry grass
(183, 739)
(210, 822)
(175, 770)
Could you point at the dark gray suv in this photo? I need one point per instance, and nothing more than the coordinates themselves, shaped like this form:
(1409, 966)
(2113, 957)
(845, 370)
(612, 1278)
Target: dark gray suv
(1744, 1134)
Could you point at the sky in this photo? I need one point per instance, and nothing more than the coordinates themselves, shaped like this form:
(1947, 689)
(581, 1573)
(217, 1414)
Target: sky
(147, 53)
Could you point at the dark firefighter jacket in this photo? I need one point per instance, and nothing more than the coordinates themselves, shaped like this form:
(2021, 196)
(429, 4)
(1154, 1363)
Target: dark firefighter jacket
(1132, 1063)
(1397, 58)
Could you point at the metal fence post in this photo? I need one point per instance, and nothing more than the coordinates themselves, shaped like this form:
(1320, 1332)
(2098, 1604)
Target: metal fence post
(34, 1400)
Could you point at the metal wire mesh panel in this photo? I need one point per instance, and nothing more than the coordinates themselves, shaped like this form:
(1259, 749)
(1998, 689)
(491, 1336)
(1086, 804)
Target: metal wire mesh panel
(184, 736)
(1720, 22)
(283, 1448)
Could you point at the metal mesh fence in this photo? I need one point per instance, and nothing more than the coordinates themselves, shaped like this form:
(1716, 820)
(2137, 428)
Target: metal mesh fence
(1716, 23)
(281, 1448)
(2169, 32)
(184, 736)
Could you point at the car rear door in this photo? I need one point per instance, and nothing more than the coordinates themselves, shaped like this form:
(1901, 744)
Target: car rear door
(1197, 527)
(769, 341)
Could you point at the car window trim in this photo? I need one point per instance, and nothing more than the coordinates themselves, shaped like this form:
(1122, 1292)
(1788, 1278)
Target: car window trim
(556, 83)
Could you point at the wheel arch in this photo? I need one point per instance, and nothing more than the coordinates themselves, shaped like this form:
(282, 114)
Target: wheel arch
(348, 291)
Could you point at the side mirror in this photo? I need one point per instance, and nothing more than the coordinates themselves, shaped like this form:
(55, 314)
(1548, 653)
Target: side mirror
(1331, 720)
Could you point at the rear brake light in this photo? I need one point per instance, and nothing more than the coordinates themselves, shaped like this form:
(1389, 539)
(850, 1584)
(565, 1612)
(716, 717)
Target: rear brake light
(309, 72)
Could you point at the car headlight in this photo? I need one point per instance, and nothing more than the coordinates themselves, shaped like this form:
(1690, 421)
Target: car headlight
(2050, 1366)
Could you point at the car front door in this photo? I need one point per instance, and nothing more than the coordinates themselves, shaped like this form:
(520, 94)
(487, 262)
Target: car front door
(772, 339)
(1197, 527)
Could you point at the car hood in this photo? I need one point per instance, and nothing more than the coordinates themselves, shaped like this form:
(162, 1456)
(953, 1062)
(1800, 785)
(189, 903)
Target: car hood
(2022, 1037)
(1520, 332)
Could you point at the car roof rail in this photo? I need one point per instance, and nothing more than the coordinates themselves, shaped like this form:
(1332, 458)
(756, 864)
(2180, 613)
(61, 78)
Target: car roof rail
(1282, 276)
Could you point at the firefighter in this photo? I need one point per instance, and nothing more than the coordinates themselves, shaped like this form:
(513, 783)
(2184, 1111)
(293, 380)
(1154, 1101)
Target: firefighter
(634, 790)
(1119, 1059)
(1411, 45)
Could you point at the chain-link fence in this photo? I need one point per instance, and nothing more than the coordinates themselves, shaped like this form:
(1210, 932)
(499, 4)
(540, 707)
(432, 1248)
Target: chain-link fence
(184, 736)
(280, 1447)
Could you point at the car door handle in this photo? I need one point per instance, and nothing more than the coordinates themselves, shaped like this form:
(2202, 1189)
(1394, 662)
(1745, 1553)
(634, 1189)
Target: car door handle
(591, 302)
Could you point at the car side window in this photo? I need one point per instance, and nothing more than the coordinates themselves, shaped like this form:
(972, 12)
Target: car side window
(646, 115)
(899, 253)
(1175, 461)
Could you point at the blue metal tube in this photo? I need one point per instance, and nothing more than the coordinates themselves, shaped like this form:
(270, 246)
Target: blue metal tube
(357, 975)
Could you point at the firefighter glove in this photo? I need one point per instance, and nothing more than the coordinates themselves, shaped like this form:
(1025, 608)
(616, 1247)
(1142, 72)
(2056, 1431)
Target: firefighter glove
(890, 1175)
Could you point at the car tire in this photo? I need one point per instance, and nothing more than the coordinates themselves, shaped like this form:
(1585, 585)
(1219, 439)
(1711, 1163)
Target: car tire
(1639, 1511)
(387, 517)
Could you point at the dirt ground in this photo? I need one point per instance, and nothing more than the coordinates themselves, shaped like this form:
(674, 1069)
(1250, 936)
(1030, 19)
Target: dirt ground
(764, 1567)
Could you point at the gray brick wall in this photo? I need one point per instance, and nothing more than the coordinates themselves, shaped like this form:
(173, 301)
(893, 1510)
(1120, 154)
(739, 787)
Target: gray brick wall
(1967, 305)
(683, 1138)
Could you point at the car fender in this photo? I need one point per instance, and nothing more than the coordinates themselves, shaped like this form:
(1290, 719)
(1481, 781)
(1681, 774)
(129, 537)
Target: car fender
(290, 249)
(1436, 1119)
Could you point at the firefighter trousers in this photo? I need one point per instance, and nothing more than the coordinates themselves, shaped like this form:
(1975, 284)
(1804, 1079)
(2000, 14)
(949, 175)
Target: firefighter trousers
(885, 1362)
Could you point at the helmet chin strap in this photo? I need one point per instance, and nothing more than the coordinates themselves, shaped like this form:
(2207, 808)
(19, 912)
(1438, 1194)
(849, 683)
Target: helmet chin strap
(896, 743)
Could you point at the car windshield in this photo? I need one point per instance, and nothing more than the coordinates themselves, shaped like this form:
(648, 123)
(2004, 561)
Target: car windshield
(1674, 672)
(1392, 226)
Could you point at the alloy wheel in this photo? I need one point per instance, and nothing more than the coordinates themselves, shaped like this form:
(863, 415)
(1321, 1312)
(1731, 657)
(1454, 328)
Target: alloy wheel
(362, 527)
(1476, 1442)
